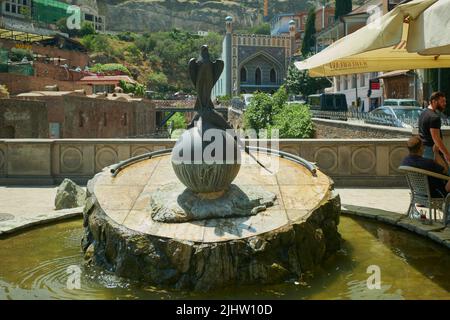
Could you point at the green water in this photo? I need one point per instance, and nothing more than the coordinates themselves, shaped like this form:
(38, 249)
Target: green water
(34, 265)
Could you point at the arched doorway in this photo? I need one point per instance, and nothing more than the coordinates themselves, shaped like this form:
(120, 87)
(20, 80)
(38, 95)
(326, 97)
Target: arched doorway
(258, 76)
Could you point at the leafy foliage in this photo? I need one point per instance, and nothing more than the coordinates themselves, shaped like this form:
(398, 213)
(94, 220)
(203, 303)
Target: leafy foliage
(178, 121)
(136, 89)
(17, 54)
(263, 28)
(87, 28)
(158, 81)
(224, 99)
(299, 82)
(273, 112)
(99, 43)
(294, 121)
(159, 59)
(110, 69)
(279, 99)
(309, 41)
(259, 114)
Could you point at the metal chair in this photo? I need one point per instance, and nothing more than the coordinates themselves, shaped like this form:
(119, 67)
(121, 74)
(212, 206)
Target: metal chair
(421, 194)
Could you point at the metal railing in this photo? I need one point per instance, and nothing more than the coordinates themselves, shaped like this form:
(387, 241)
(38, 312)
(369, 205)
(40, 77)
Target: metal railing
(369, 118)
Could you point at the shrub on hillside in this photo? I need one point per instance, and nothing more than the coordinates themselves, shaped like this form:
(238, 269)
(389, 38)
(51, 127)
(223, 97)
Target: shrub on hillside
(110, 69)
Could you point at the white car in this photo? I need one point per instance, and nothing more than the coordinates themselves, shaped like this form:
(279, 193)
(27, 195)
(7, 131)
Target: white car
(247, 97)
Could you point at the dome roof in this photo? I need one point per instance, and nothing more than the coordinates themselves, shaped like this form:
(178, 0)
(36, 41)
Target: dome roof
(229, 18)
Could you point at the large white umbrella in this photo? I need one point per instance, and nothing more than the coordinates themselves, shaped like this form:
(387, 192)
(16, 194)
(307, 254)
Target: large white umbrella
(429, 33)
(379, 46)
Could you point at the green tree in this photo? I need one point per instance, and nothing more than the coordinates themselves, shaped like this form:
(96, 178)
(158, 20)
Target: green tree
(293, 80)
(87, 28)
(294, 121)
(308, 85)
(309, 41)
(263, 28)
(279, 99)
(178, 120)
(259, 113)
(98, 43)
(342, 8)
(157, 81)
(273, 112)
(145, 43)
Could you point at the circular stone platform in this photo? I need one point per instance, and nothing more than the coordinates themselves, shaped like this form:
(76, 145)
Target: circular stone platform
(291, 237)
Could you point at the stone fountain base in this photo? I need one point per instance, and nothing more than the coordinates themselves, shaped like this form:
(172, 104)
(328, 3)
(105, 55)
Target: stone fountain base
(292, 237)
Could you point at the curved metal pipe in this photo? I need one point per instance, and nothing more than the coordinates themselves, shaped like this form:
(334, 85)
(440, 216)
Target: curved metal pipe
(282, 154)
(116, 168)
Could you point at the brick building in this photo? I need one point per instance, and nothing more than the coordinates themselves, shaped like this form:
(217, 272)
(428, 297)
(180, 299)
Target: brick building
(57, 61)
(59, 114)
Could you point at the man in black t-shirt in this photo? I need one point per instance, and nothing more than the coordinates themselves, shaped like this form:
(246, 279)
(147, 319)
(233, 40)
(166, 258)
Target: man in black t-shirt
(438, 187)
(430, 127)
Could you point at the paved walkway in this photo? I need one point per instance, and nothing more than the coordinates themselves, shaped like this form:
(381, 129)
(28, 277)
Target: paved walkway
(32, 201)
(23, 207)
(395, 200)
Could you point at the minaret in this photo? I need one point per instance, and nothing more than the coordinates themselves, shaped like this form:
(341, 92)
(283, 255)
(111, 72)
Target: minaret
(292, 36)
(228, 59)
(266, 10)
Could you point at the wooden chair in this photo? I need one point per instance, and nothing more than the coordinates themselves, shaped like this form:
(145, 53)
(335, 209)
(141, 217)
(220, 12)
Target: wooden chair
(421, 194)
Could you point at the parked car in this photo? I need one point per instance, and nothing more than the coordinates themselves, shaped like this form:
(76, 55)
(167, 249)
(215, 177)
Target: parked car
(400, 103)
(247, 97)
(328, 102)
(295, 99)
(395, 116)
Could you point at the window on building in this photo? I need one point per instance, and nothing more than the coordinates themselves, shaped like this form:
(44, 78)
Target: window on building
(330, 20)
(7, 7)
(273, 75)
(25, 2)
(104, 119)
(125, 119)
(258, 76)
(345, 83)
(243, 74)
(354, 77)
(338, 83)
(362, 80)
(13, 8)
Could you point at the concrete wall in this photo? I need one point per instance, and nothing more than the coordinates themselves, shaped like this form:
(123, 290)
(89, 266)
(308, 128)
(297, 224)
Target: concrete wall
(358, 162)
(333, 129)
(23, 119)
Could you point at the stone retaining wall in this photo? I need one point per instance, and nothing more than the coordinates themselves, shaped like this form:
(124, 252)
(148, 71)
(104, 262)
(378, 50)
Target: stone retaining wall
(357, 162)
(334, 129)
